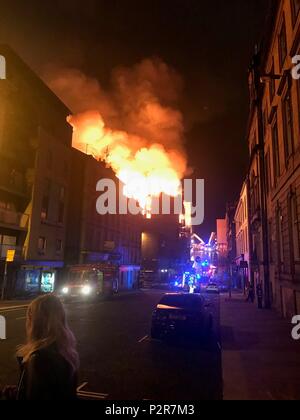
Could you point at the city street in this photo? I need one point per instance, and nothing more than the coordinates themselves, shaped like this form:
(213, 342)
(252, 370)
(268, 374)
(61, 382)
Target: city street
(147, 149)
(119, 359)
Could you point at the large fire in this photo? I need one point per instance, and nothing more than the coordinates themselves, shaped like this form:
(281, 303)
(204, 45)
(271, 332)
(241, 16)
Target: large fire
(134, 124)
(146, 172)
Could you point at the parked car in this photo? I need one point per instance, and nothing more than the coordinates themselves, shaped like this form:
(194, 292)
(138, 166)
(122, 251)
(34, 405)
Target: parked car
(213, 289)
(181, 314)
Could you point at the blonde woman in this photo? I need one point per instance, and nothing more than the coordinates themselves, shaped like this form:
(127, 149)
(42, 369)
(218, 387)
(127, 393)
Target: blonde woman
(49, 360)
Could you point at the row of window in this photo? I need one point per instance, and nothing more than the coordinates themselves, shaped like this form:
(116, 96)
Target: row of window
(288, 139)
(287, 244)
(116, 224)
(241, 215)
(42, 245)
(96, 238)
(282, 40)
(288, 231)
(242, 242)
(46, 199)
(287, 107)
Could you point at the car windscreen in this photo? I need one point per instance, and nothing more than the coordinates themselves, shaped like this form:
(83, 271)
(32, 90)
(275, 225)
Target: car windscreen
(182, 301)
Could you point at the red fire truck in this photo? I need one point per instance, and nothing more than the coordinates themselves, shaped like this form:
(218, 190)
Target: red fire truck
(91, 281)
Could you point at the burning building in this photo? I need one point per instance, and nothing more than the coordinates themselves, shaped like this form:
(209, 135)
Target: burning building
(135, 128)
(133, 134)
(93, 238)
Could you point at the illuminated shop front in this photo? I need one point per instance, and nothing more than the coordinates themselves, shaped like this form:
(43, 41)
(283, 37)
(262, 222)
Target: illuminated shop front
(35, 279)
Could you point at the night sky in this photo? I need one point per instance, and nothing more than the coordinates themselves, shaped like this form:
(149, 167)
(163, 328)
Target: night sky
(208, 42)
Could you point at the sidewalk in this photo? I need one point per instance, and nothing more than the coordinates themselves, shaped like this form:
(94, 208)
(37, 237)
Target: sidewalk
(260, 359)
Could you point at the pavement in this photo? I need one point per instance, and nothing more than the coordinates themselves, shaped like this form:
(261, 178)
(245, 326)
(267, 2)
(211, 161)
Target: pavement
(260, 360)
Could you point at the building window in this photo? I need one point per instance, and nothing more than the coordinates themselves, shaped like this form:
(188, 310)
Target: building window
(7, 243)
(282, 42)
(42, 244)
(294, 228)
(276, 155)
(288, 125)
(46, 200)
(295, 9)
(59, 246)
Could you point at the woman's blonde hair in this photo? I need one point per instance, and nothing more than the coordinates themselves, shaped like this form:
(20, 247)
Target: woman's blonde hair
(46, 324)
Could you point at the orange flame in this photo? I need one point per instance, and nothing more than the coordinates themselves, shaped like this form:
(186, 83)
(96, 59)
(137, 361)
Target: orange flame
(145, 171)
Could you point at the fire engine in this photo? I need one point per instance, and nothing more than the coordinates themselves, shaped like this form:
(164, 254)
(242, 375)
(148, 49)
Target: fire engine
(91, 281)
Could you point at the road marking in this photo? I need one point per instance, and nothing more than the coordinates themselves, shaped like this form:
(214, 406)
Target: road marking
(92, 396)
(96, 394)
(82, 386)
(14, 308)
(144, 339)
(88, 394)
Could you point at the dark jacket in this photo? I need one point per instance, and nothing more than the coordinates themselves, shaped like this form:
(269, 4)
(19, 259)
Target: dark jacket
(47, 376)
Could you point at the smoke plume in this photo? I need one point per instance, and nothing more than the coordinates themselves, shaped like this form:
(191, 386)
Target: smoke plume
(135, 125)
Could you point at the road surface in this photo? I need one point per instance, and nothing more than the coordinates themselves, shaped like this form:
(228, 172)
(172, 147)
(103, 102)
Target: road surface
(119, 359)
